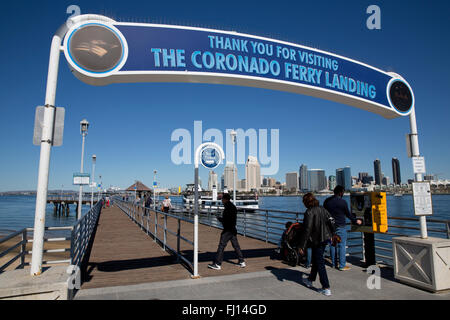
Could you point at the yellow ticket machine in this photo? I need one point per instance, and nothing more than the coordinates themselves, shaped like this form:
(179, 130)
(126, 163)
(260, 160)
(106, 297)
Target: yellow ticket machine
(371, 208)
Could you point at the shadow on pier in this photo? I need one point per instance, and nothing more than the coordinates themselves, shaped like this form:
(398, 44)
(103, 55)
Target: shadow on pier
(123, 254)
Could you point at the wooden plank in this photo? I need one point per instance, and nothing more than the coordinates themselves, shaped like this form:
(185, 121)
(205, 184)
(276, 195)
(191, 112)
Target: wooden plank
(123, 254)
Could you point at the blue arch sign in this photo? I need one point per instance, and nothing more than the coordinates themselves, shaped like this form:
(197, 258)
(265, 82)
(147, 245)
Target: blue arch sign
(101, 53)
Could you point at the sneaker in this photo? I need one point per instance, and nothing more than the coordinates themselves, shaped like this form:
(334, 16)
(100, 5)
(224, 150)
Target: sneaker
(346, 268)
(307, 282)
(214, 266)
(242, 264)
(326, 292)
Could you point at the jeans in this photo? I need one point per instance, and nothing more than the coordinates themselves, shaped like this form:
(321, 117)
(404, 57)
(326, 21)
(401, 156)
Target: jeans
(226, 236)
(339, 250)
(318, 265)
(308, 257)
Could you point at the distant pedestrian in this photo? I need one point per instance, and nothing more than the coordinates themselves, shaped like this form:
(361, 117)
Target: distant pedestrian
(148, 202)
(147, 205)
(338, 209)
(316, 235)
(166, 204)
(229, 233)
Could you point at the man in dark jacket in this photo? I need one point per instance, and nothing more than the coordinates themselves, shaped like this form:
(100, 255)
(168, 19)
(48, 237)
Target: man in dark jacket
(338, 209)
(229, 233)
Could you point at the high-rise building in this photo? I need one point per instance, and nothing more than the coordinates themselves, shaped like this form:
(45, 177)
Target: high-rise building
(265, 182)
(242, 185)
(317, 180)
(331, 182)
(367, 179)
(362, 175)
(222, 182)
(212, 180)
(292, 181)
(344, 177)
(377, 172)
(253, 173)
(303, 178)
(228, 176)
(385, 181)
(272, 182)
(396, 171)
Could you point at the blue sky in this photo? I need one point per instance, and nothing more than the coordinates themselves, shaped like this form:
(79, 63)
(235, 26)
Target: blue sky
(131, 124)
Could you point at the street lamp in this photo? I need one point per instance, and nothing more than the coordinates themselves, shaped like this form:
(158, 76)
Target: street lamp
(94, 159)
(84, 125)
(100, 188)
(233, 141)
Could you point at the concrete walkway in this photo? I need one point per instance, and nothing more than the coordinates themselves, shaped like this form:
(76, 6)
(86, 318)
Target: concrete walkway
(274, 284)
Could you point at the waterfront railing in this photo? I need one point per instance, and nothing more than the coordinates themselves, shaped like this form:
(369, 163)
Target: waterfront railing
(148, 219)
(80, 235)
(268, 225)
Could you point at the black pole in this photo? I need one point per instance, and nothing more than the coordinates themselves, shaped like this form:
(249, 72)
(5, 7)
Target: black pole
(369, 249)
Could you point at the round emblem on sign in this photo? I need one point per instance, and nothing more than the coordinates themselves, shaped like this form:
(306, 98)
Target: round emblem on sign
(400, 96)
(96, 48)
(210, 158)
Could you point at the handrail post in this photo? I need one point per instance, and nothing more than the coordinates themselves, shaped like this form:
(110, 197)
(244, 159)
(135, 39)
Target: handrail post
(147, 220)
(178, 240)
(156, 225)
(23, 249)
(245, 223)
(209, 215)
(267, 226)
(165, 230)
(448, 229)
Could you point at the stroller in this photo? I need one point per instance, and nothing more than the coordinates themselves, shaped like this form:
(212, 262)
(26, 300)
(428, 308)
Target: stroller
(289, 244)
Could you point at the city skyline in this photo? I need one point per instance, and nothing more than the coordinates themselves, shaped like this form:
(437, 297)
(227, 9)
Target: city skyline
(131, 124)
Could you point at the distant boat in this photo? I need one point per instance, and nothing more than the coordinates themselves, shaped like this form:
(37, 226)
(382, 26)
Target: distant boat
(398, 194)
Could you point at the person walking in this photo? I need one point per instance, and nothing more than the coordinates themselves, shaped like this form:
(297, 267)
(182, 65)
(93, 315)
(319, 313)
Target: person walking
(316, 235)
(229, 233)
(338, 209)
(148, 204)
(166, 205)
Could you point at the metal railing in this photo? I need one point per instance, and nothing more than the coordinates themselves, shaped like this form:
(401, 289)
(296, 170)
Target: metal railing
(22, 243)
(268, 225)
(81, 233)
(142, 216)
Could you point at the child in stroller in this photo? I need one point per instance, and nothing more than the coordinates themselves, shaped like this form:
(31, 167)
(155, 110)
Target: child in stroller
(288, 248)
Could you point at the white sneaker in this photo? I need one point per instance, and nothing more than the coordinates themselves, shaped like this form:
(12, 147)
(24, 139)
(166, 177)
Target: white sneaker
(214, 266)
(307, 282)
(326, 292)
(242, 264)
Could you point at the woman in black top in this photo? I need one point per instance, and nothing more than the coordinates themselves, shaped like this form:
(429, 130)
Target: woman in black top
(316, 235)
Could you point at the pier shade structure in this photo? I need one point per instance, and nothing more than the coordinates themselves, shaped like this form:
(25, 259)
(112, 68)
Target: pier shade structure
(101, 51)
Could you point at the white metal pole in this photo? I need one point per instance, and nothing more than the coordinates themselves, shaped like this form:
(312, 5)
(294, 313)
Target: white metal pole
(92, 183)
(196, 222)
(80, 198)
(44, 159)
(234, 175)
(418, 176)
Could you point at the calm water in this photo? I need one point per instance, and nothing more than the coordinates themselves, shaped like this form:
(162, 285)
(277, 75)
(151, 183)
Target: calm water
(17, 212)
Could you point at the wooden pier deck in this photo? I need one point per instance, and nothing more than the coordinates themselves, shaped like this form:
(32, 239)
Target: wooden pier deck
(123, 254)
